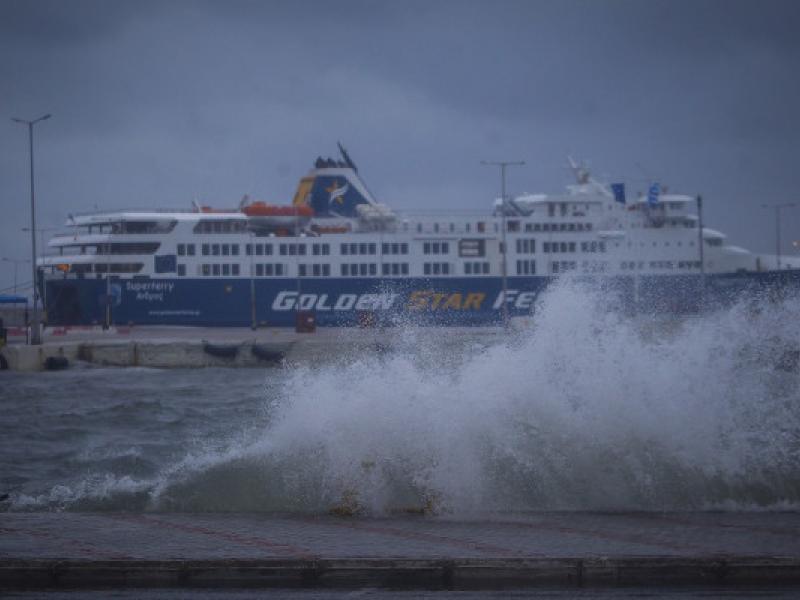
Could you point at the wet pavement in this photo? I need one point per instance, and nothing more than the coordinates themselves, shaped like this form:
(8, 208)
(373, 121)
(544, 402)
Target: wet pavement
(573, 549)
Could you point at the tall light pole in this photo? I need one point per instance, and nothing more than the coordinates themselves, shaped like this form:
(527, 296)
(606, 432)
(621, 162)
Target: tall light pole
(42, 231)
(36, 335)
(504, 267)
(777, 208)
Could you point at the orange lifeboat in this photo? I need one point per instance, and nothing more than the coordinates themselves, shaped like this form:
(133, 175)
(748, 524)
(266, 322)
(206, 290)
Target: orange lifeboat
(262, 209)
(269, 216)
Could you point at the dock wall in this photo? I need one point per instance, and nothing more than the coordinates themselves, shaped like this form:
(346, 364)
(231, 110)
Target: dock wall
(168, 349)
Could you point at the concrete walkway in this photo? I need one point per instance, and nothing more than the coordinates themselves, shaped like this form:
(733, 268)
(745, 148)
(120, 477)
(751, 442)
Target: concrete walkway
(520, 550)
(182, 347)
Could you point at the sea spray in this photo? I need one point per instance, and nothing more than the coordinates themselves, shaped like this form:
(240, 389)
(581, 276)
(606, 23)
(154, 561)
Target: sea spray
(586, 408)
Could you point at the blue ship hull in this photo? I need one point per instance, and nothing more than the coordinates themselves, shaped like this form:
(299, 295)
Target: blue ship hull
(347, 302)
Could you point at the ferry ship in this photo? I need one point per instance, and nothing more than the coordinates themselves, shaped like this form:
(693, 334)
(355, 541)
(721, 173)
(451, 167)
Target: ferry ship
(340, 257)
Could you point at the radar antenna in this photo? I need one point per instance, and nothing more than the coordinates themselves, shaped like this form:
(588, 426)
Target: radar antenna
(347, 160)
(580, 171)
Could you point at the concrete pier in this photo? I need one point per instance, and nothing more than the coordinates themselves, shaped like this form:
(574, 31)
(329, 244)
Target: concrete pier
(499, 551)
(183, 347)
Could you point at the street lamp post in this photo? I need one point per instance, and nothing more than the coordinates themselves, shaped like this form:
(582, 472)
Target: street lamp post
(777, 208)
(42, 231)
(36, 335)
(504, 266)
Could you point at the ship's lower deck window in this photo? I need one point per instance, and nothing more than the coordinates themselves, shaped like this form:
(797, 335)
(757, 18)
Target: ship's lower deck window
(598, 266)
(394, 269)
(225, 270)
(563, 266)
(436, 268)
(359, 270)
(435, 248)
(527, 246)
(316, 270)
(113, 268)
(185, 249)
(269, 270)
(258, 249)
(181, 270)
(476, 268)
(221, 226)
(290, 249)
(526, 267)
(394, 248)
(593, 246)
(353, 249)
(661, 264)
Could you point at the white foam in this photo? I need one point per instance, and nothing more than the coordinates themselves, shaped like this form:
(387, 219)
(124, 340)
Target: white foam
(586, 410)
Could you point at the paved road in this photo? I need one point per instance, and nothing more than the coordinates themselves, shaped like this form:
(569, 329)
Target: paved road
(108, 536)
(526, 549)
(376, 594)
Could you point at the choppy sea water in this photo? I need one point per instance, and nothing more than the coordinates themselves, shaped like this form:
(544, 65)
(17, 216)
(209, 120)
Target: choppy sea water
(584, 410)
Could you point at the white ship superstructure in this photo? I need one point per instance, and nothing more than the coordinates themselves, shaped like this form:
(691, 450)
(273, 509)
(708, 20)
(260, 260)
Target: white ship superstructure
(337, 244)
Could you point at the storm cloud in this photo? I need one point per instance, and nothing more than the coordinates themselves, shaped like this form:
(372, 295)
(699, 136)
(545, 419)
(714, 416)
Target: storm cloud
(158, 103)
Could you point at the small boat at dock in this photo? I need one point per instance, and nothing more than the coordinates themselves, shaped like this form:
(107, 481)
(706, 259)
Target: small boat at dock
(267, 353)
(221, 350)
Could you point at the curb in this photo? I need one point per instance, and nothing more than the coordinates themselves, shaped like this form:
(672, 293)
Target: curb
(405, 573)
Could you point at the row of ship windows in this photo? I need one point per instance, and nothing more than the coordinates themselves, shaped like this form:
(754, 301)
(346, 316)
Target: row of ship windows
(565, 266)
(523, 267)
(324, 270)
(293, 249)
(555, 247)
(354, 249)
(523, 246)
(666, 244)
(240, 226)
(554, 227)
(660, 264)
(227, 226)
(435, 248)
(513, 225)
(364, 269)
(304, 270)
(436, 268)
(213, 270)
(476, 268)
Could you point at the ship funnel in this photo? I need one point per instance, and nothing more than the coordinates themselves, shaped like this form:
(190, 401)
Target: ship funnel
(333, 188)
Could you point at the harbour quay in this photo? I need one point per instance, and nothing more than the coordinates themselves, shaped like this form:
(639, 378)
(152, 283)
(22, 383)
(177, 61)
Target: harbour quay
(564, 550)
(167, 347)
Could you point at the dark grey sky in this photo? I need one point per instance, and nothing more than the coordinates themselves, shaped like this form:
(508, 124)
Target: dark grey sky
(157, 103)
